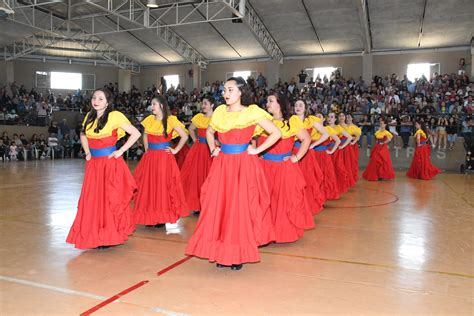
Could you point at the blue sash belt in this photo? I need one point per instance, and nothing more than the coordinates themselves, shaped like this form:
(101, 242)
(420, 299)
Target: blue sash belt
(202, 140)
(158, 146)
(233, 148)
(423, 143)
(323, 147)
(276, 157)
(380, 142)
(102, 152)
(297, 144)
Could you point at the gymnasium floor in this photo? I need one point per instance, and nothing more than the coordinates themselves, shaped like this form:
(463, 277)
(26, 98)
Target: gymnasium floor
(400, 247)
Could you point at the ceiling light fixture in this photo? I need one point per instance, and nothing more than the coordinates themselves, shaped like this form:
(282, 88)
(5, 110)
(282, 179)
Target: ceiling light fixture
(152, 4)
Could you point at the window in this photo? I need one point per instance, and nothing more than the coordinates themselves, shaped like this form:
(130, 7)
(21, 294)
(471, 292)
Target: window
(244, 74)
(416, 71)
(324, 71)
(66, 80)
(172, 80)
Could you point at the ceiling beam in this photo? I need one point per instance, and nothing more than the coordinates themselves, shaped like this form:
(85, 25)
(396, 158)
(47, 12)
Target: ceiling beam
(364, 19)
(52, 32)
(139, 17)
(312, 24)
(425, 2)
(258, 28)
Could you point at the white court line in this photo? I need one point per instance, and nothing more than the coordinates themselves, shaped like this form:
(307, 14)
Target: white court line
(52, 288)
(84, 294)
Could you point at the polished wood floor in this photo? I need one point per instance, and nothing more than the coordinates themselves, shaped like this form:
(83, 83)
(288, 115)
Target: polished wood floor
(403, 247)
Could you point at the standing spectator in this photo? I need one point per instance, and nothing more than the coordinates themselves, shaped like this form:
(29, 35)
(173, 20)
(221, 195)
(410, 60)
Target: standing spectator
(433, 131)
(367, 130)
(64, 129)
(406, 127)
(442, 133)
(452, 130)
(163, 87)
(261, 81)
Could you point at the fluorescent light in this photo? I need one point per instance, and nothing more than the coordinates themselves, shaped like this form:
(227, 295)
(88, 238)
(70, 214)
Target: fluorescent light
(152, 4)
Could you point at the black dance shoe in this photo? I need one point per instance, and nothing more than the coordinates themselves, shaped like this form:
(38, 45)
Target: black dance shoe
(236, 266)
(221, 265)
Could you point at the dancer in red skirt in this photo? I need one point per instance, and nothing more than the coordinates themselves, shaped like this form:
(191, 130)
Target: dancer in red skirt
(291, 213)
(198, 161)
(355, 132)
(340, 167)
(421, 166)
(323, 153)
(312, 171)
(235, 201)
(160, 198)
(182, 154)
(104, 216)
(380, 164)
(347, 153)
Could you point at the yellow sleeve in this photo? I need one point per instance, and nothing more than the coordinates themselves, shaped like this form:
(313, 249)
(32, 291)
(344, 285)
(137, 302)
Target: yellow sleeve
(117, 119)
(388, 134)
(223, 121)
(147, 122)
(201, 121)
(218, 117)
(173, 122)
(295, 127)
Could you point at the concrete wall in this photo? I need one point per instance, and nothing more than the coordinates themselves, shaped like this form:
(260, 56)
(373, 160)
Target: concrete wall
(25, 73)
(397, 63)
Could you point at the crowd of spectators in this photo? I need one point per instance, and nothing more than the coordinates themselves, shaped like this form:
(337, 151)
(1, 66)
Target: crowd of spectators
(444, 103)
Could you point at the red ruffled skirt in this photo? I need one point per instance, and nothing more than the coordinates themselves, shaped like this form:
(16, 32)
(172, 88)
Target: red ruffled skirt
(104, 216)
(194, 172)
(380, 164)
(235, 210)
(330, 187)
(314, 178)
(354, 151)
(291, 213)
(421, 166)
(340, 168)
(160, 198)
(181, 155)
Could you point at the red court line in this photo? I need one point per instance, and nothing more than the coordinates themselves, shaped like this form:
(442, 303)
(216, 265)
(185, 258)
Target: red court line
(372, 205)
(115, 297)
(174, 265)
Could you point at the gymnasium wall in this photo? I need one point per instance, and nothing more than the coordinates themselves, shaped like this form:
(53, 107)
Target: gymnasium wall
(397, 63)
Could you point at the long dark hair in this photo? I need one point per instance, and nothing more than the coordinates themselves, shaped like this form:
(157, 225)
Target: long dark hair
(211, 100)
(285, 109)
(165, 110)
(307, 109)
(246, 96)
(92, 115)
(423, 127)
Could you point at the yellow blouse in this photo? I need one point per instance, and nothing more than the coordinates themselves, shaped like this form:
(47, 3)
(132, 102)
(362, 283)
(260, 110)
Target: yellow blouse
(353, 130)
(287, 131)
(155, 127)
(309, 123)
(421, 133)
(382, 134)
(223, 121)
(339, 130)
(331, 131)
(201, 121)
(114, 121)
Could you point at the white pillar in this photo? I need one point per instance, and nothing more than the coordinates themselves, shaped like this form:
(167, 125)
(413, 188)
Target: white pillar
(10, 71)
(273, 72)
(125, 80)
(367, 64)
